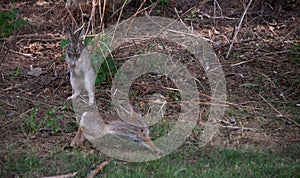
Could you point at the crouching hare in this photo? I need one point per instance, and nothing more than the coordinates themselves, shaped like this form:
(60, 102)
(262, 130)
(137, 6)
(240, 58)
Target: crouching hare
(91, 128)
(82, 72)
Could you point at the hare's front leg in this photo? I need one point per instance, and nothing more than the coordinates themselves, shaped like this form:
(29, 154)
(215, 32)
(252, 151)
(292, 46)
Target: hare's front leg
(89, 84)
(76, 86)
(91, 95)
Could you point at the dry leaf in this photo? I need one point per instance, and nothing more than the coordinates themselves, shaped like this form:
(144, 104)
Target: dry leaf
(36, 71)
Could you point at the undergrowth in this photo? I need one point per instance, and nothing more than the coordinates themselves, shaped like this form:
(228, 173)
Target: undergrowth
(9, 22)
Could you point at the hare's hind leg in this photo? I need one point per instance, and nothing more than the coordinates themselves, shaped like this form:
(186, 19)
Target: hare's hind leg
(79, 138)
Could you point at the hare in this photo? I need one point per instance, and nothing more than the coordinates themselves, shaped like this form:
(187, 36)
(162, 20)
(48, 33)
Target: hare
(92, 128)
(82, 72)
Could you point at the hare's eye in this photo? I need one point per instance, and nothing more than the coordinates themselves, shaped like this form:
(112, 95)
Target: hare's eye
(142, 130)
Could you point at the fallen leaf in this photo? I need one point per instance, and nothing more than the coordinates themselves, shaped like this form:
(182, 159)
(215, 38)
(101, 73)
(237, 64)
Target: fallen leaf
(36, 71)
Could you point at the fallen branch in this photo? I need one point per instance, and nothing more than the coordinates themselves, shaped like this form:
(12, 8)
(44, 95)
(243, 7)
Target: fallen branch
(237, 29)
(240, 128)
(217, 17)
(19, 53)
(98, 169)
(63, 176)
(275, 53)
(240, 63)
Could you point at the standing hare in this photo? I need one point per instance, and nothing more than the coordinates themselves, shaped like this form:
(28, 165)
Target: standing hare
(92, 128)
(82, 72)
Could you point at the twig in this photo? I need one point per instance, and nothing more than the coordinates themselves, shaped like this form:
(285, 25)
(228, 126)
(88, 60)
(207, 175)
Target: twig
(268, 78)
(48, 35)
(278, 52)
(292, 31)
(237, 29)
(178, 16)
(139, 10)
(19, 53)
(98, 169)
(166, 27)
(92, 17)
(243, 62)
(63, 176)
(51, 8)
(114, 13)
(119, 17)
(217, 17)
(239, 128)
(102, 15)
(153, 7)
(278, 112)
(214, 13)
(82, 19)
(70, 13)
(22, 114)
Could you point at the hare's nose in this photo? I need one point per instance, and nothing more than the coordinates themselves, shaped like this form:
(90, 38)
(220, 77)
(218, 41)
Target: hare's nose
(73, 66)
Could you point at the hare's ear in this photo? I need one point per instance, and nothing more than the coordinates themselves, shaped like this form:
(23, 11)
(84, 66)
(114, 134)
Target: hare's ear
(133, 114)
(80, 32)
(70, 31)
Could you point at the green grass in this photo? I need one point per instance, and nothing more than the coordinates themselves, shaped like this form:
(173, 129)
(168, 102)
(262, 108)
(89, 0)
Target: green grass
(50, 120)
(295, 53)
(14, 74)
(9, 22)
(185, 162)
